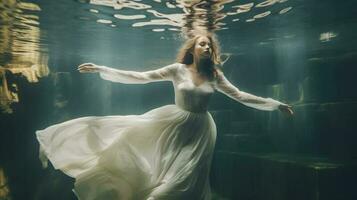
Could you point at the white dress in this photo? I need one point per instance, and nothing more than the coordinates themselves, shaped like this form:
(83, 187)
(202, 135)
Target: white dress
(163, 154)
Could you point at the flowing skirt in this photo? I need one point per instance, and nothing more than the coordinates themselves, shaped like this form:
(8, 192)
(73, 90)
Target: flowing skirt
(163, 154)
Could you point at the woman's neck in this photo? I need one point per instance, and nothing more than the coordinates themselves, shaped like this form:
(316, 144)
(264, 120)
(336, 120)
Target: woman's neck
(199, 65)
(203, 67)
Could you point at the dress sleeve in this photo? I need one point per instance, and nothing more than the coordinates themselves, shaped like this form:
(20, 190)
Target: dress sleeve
(224, 86)
(134, 77)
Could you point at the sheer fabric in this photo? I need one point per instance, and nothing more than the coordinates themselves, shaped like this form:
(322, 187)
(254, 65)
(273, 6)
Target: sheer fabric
(163, 154)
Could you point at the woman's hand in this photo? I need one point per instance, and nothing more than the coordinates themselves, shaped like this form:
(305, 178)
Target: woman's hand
(88, 68)
(286, 109)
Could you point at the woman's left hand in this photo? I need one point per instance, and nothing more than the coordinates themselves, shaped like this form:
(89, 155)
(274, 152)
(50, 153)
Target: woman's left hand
(286, 109)
(88, 68)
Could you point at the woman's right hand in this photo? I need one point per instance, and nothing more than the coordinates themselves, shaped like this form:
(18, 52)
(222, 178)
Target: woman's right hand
(286, 109)
(88, 68)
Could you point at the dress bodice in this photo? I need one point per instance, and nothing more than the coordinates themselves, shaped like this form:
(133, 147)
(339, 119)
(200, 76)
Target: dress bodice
(188, 96)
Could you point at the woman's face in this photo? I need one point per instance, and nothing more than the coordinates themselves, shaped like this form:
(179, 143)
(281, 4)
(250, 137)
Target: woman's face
(203, 47)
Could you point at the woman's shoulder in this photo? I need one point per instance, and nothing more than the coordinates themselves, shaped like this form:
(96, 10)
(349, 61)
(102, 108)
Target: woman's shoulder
(177, 64)
(219, 73)
(219, 70)
(171, 67)
(174, 65)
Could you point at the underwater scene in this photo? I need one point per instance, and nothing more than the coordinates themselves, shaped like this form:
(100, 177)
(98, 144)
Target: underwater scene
(302, 53)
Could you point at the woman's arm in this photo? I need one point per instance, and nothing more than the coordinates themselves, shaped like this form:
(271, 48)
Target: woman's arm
(227, 88)
(125, 76)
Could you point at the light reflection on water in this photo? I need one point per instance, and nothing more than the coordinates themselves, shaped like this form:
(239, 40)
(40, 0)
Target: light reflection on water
(188, 15)
(4, 189)
(20, 49)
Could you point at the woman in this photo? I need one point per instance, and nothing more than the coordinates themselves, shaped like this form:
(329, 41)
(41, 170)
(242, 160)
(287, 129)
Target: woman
(164, 153)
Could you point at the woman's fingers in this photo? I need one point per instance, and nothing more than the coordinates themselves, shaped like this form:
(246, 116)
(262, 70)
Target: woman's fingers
(85, 65)
(286, 109)
(88, 67)
(290, 110)
(85, 69)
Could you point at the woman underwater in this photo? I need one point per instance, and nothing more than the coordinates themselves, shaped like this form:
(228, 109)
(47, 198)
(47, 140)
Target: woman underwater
(163, 154)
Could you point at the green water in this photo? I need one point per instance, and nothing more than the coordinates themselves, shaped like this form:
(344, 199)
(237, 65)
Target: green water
(296, 51)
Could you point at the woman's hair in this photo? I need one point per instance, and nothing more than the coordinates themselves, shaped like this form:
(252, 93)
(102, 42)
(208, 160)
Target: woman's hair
(185, 54)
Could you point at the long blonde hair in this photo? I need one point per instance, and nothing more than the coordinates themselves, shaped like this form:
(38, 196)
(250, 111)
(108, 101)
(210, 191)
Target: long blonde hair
(185, 54)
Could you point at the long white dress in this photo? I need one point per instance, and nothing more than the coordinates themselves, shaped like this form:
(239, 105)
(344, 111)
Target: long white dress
(163, 154)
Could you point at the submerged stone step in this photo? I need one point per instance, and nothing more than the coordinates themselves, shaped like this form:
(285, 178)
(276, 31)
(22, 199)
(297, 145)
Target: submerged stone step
(269, 176)
(244, 143)
(222, 119)
(244, 126)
